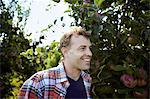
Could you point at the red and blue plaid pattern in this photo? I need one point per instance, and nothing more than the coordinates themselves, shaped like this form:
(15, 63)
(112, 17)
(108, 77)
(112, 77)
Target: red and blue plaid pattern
(50, 84)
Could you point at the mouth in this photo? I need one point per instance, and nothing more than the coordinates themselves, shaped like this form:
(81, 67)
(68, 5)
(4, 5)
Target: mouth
(87, 60)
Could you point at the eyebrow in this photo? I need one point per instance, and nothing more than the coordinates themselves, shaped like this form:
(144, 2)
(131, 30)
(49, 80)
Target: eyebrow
(85, 45)
(82, 46)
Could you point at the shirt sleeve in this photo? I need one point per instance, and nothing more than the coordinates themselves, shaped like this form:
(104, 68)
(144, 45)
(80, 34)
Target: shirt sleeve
(31, 89)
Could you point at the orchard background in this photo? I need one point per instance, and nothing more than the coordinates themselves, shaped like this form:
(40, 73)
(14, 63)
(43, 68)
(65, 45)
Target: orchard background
(120, 36)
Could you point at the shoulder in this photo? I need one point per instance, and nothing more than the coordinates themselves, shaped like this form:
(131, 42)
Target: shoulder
(48, 74)
(35, 85)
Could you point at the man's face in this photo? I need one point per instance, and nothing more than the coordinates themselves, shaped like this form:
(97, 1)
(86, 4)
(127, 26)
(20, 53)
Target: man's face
(79, 53)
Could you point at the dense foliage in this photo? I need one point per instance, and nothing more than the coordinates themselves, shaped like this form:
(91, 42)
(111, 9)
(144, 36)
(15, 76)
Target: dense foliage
(18, 58)
(12, 44)
(120, 34)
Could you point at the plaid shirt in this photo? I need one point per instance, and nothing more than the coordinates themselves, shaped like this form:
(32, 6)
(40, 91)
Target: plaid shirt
(50, 84)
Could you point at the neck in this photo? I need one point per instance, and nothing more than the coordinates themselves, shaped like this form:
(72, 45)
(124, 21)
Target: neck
(72, 72)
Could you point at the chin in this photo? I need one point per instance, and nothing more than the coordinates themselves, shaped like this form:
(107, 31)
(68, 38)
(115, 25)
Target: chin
(86, 67)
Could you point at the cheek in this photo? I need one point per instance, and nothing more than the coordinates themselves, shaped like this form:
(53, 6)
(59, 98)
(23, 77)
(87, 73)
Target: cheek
(75, 57)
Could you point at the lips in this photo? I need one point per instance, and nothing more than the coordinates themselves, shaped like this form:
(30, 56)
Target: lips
(87, 60)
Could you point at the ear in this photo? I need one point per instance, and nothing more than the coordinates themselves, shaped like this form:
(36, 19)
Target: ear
(64, 50)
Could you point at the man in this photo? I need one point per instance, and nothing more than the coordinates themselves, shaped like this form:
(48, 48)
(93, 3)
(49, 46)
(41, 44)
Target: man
(67, 80)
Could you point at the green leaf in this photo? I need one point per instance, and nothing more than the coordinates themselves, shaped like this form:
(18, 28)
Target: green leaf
(56, 1)
(118, 68)
(106, 90)
(30, 52)
(67, 11)
(98, 2)
(55, 21)
(61, 18)
(38, 49)
(42, 37)
(124, 91)
(71, 1)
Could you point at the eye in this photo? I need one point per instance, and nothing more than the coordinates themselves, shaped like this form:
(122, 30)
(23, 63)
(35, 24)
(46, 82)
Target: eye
(82, 48)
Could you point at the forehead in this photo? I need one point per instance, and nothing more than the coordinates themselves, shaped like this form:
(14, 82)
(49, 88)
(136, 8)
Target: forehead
(79, 40)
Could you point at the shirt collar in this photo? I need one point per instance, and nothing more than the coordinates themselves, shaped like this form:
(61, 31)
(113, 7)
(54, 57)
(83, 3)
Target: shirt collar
(62, 77)
(61, 74)
(86, 77)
